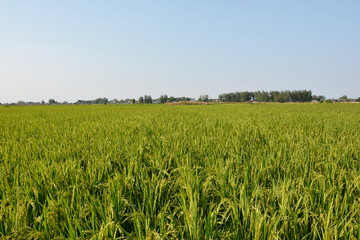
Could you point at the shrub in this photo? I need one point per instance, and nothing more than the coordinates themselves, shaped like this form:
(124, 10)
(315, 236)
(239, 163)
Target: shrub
(329, 101)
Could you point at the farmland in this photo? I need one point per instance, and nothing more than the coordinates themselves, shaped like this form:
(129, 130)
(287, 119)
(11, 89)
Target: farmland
(223, 171)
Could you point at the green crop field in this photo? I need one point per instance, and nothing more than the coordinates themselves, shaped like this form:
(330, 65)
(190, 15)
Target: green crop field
(231, 171)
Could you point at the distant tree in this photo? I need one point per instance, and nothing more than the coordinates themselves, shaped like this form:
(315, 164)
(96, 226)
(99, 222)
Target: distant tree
(52, 101)
(171, 99)
(182, 99)
(100, 101)
(206, 98)
(329, 101)
(343, 97)
(42, 102)
(275, 96)
(245, 96)
(163, 98)
(147, 99)
(319, 98)
(301, 96)
(141, 99)
(203, 98)
(84, 102)
(133, 101)
(262, 96)
(358, 99)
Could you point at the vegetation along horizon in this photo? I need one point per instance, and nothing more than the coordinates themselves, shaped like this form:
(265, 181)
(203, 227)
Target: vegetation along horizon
(218, 171)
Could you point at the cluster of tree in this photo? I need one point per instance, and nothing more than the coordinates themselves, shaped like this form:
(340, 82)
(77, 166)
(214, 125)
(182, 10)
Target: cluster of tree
(122, 101)
(142, 99)
(237, 97)
(50, 102)
(264, 96)
(96, 101)
(178, 99)
(204, 98)
(345, 98)
(145, 99)
(165, 99)
(319, 98)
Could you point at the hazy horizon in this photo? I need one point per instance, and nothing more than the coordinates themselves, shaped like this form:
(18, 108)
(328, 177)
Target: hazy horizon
(86, 49)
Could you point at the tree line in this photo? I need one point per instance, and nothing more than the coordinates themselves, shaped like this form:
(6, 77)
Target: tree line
(271, 96)
(142, 99)
(244, 96)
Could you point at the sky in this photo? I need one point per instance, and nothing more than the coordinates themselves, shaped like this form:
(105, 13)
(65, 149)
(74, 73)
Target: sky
(70, 50)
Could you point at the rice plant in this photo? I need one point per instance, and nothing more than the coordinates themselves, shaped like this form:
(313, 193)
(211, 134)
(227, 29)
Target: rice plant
(231, 171)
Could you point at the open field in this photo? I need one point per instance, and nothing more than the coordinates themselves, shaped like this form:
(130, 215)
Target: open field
(229, 171)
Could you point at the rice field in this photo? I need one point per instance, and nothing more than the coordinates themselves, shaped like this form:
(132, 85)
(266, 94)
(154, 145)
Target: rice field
(223, 171)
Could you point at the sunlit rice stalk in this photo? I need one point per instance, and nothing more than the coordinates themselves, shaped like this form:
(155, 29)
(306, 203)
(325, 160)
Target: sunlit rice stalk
(237, 171)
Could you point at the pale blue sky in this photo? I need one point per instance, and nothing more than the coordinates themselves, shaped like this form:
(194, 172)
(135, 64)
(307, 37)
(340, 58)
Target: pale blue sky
(70, 50)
